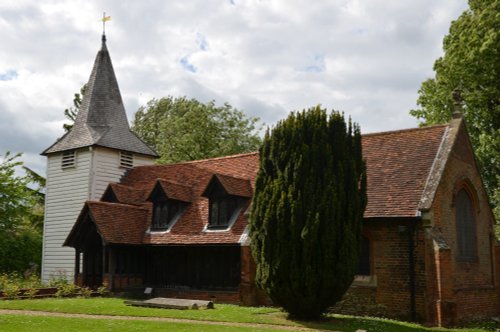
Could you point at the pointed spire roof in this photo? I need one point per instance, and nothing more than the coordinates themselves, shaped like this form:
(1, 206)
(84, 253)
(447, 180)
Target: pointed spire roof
(101, 120)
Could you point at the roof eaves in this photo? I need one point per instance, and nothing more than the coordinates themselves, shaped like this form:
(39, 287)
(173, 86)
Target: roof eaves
(438, 166)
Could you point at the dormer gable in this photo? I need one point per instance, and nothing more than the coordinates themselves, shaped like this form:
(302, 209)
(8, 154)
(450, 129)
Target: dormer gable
(117, 193)
(169, 201)
(226, 198)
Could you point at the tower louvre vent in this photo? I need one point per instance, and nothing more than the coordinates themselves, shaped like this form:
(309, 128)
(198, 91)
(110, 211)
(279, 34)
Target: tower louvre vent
(68, 159)
(126, 159)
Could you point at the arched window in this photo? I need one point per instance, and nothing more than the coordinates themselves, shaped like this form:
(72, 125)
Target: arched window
(466, 227)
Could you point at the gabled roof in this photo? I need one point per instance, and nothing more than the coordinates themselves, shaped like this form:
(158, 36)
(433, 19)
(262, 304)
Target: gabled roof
(231, 185)
(172, 190)
(123, 194)
(398, 165)
(116, 223)
(101, 120)
(403, 170)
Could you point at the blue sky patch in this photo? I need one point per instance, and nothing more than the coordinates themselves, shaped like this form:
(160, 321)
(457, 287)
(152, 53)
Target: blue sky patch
(8, 75)
(317, 64)
(202, 42)
(186, 65)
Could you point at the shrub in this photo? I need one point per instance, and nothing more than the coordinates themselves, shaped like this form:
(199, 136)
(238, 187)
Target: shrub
(305, 223)
(30, 293)
(12, 284)
(102, 290)
(67, 289)
(85, 292)
(11, 291)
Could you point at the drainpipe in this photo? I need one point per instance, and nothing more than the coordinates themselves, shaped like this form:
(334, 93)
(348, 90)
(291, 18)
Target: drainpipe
(411, 268)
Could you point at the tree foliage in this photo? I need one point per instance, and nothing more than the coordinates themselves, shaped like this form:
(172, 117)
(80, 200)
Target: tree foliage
(72, 112)
(309, 200)
(20, 225)
(471, 64)
(181, 129)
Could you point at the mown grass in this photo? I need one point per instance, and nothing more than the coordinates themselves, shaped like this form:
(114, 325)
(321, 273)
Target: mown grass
(221, 313)
(20, 323)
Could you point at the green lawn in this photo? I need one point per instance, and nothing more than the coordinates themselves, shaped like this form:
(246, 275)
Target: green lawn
(20, 323)
(221, 313)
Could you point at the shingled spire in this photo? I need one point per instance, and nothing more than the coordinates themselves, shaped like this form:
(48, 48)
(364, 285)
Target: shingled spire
(101, 120)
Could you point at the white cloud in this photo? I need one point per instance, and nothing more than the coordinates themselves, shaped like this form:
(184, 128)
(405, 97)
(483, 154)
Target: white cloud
(267, 58)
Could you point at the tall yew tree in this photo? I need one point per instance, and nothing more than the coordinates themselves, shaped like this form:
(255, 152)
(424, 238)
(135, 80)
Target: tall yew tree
(309, 200)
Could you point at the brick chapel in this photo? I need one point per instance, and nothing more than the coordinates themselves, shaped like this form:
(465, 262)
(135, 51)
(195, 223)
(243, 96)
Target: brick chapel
(429, 252)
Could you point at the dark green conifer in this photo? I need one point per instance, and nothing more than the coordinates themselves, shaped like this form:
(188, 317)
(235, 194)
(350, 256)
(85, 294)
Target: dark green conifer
(309, 200)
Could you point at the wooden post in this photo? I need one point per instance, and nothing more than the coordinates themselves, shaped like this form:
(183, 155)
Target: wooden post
(77, 265)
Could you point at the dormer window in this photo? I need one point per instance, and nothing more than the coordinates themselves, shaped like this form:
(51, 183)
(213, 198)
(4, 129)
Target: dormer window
(164, 213)
(222, 209)
(169, 200)
(226, 197)
(68, 159)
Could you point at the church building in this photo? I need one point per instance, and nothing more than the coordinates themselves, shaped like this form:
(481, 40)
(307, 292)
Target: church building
(114, 218)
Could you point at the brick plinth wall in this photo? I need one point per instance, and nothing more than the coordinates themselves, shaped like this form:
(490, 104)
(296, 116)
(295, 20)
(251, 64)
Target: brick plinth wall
(79, 280)
(361, 301)
(124, 281)
(250, 295)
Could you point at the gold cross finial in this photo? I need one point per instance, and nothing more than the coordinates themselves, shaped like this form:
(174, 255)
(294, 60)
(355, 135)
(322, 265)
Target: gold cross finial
(104, 20)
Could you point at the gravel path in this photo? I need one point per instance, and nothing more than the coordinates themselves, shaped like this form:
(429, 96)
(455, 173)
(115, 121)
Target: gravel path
(156, 319)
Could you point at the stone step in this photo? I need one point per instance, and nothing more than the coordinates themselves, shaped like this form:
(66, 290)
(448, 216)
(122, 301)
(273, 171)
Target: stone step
(170, 303)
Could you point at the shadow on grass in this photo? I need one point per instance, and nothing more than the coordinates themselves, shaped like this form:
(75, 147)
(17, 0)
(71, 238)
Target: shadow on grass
(372, 324)
(345, 323)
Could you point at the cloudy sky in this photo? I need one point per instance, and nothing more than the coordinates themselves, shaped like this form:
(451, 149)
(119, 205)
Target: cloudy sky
(267, 58)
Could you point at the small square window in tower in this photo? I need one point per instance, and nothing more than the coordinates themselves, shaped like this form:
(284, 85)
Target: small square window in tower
(68, 159)
(226, 197)
(126, 159)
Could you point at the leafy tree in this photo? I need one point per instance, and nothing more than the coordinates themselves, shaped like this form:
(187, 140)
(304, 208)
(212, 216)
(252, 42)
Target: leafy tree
(37, 189)
(71, 113)
(305, 222)
(471, 64)
(15, 199)
(20, 239)
(181, 129)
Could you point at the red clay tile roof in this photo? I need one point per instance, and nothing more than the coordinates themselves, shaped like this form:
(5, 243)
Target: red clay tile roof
(175, 190)
(232, 186)
(398, 164)
(126, 194)
(119, 223)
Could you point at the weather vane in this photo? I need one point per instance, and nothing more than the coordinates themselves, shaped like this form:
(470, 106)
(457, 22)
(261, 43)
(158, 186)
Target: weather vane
(104, 20)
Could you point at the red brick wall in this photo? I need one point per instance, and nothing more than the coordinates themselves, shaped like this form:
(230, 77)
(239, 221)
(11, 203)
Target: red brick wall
(249, 293)
(466, 290)
(390, 296)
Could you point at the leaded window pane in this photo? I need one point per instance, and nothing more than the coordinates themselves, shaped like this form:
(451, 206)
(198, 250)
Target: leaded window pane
(466, 228)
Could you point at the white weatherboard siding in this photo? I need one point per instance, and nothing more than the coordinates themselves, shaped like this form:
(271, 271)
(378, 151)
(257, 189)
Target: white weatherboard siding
(67, 191)
(107, 169)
